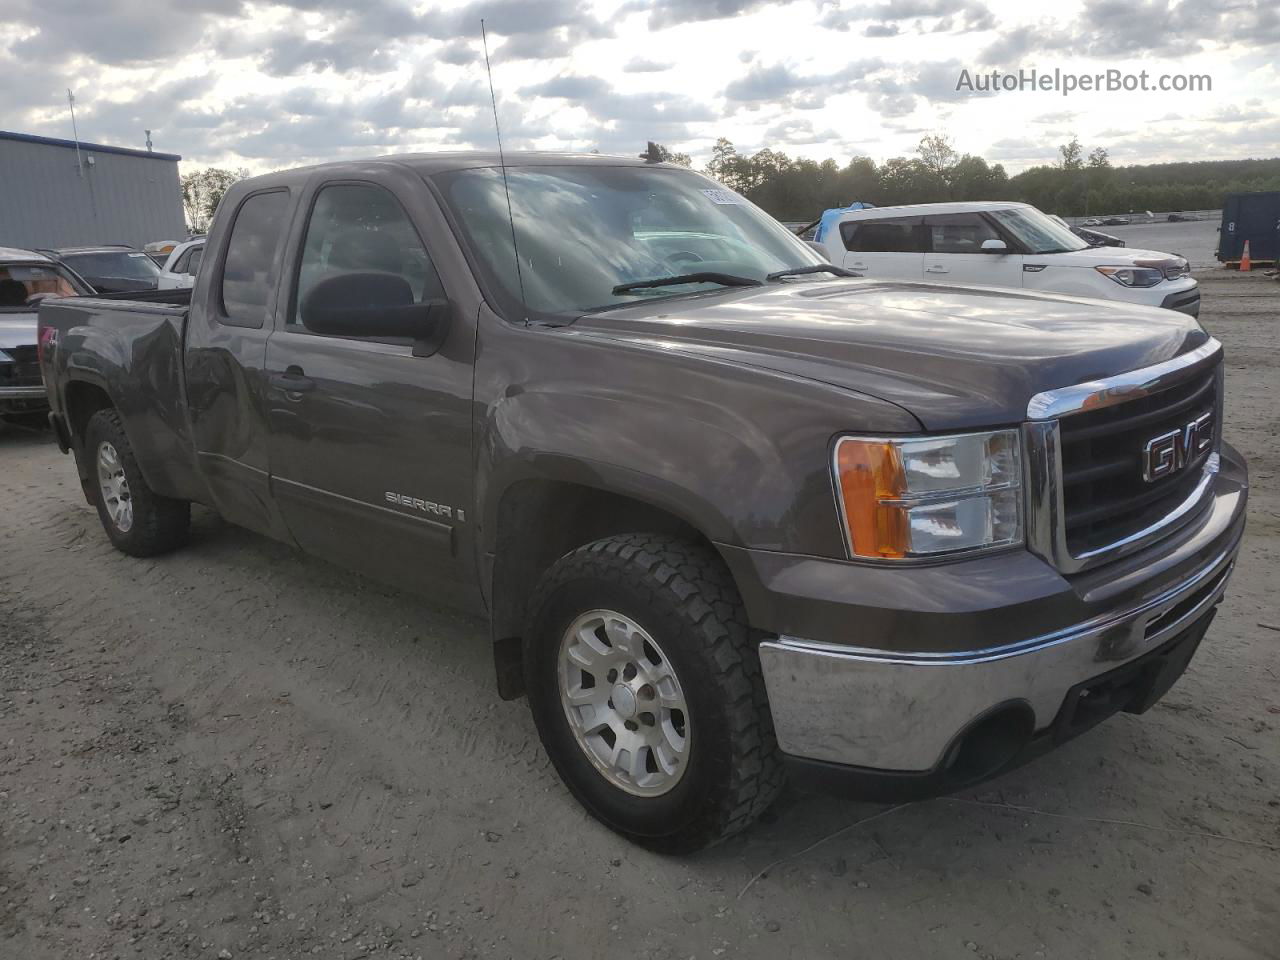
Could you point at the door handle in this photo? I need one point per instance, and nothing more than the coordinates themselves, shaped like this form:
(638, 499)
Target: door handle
(857, 266)
(292, 381)
(936, 268)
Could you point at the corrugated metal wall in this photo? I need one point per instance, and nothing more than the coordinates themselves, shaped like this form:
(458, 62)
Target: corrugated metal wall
(44, 202)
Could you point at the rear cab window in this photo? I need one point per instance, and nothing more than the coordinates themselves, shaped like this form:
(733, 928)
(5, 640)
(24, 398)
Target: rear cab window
(885, 235)
(250, 268)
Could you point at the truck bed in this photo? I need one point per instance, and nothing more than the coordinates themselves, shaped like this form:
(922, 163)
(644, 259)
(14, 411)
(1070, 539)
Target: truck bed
(128, 347)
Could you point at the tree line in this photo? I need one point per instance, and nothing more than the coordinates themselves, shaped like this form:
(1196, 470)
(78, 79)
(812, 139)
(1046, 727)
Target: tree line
(1079, 184)
(796, 188)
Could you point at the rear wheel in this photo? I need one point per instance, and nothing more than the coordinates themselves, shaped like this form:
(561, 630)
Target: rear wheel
(138, 521)
(646, 690)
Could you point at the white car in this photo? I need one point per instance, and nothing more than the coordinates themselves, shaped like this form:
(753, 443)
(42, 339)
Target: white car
(1004, 245)
(180, 268)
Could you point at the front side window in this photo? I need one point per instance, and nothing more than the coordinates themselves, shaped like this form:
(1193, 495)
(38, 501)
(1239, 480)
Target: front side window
(881, 236)
(584, 229)
(249, 274)
(23, 286)
(1035, 231)
(959, 232)
(360, 228)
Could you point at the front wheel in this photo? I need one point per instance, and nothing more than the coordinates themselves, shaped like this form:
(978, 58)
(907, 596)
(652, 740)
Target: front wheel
(647, 693)
(138, 521)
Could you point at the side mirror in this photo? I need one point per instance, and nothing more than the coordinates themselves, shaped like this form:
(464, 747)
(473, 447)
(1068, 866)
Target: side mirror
(994, 246)
(822, 251)
(373, 305)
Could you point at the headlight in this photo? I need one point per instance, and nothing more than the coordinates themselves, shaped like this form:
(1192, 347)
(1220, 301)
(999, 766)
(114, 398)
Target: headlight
(1133, 276)
(925, 496)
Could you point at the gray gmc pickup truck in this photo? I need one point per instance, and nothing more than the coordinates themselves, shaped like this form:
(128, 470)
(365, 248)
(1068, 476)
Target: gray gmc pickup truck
(730, 512)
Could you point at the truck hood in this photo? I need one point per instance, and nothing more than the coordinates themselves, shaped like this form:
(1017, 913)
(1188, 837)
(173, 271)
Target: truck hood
(955, 357)
(17, 329)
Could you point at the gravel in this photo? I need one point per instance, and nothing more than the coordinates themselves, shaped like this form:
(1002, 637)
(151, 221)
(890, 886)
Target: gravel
(237, 752)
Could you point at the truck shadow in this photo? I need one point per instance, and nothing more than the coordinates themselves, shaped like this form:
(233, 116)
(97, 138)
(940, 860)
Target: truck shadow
(459, 646)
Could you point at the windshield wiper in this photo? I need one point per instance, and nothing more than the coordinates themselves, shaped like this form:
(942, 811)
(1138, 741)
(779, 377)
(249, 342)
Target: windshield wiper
(724, 279)
(816, 268)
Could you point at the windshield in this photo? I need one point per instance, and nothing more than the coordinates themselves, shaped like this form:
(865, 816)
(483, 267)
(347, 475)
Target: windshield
(20, 283)
(583, 230)
(126, 264)
(1037, 232)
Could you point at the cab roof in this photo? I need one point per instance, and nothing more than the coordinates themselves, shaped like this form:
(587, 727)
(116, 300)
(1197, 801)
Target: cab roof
(427, 164)
(925, 209)
(18, 255)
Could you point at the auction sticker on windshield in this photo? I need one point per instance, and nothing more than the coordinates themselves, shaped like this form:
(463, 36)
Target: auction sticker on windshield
(722, 196)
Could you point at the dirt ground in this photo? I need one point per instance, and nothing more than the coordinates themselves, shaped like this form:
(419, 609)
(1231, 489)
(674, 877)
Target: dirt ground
(235, 751)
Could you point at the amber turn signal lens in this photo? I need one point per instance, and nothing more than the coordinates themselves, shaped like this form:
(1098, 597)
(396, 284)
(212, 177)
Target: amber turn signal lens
(870, 472)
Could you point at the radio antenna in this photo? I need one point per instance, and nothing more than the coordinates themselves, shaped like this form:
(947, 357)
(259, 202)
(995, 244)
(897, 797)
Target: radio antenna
(502, 163)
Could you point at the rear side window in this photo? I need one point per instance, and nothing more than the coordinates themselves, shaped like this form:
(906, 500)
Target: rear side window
(249, 274)
(193, 261)
(882, 236)
(959, 232)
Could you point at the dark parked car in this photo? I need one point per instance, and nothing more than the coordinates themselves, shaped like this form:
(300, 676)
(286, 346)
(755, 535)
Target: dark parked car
(727, 510)
(1115, 222)
(110, 269)
(26, 278)
(1094, 238)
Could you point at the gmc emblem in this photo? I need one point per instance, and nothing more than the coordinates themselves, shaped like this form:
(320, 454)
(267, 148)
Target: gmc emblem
(1168, 453)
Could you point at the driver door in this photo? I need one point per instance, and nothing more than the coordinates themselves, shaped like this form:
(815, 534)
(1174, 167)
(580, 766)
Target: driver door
(370, 445)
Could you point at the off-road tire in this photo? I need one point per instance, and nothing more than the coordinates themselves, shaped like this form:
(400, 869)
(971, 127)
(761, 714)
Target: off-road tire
(160, 524)
(681, 594)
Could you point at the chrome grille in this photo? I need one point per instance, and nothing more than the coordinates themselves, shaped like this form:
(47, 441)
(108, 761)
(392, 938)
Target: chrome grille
(1089, 501)
(1105, 497)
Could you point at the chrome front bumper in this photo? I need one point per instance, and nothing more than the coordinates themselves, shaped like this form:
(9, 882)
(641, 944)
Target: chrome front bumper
(22, 393)
(898, 711)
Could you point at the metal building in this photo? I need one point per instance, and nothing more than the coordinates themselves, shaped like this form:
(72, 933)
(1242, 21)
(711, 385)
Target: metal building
(55, 195)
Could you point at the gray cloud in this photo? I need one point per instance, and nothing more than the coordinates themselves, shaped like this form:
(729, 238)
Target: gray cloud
(390, 60)
(892, 89)
(459, 53)
(668, 13)
(797, 131)
(644, 65)
(761, 83)
(1143, 28)
(948, 16)
(569, 87)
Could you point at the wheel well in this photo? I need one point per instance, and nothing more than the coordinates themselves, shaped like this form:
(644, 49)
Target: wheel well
(83, 401)
(539, 521)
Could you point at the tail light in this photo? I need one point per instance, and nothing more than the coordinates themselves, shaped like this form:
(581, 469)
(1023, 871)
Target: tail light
(47, 341)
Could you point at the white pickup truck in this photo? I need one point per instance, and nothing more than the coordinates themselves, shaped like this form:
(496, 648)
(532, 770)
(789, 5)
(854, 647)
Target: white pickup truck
(1004, 245)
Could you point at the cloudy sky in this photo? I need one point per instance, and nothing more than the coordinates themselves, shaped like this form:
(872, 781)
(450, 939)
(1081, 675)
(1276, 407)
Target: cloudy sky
(269, 85)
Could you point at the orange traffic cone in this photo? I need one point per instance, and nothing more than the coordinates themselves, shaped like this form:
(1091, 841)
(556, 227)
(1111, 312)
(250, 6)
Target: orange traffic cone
(1245, 265)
